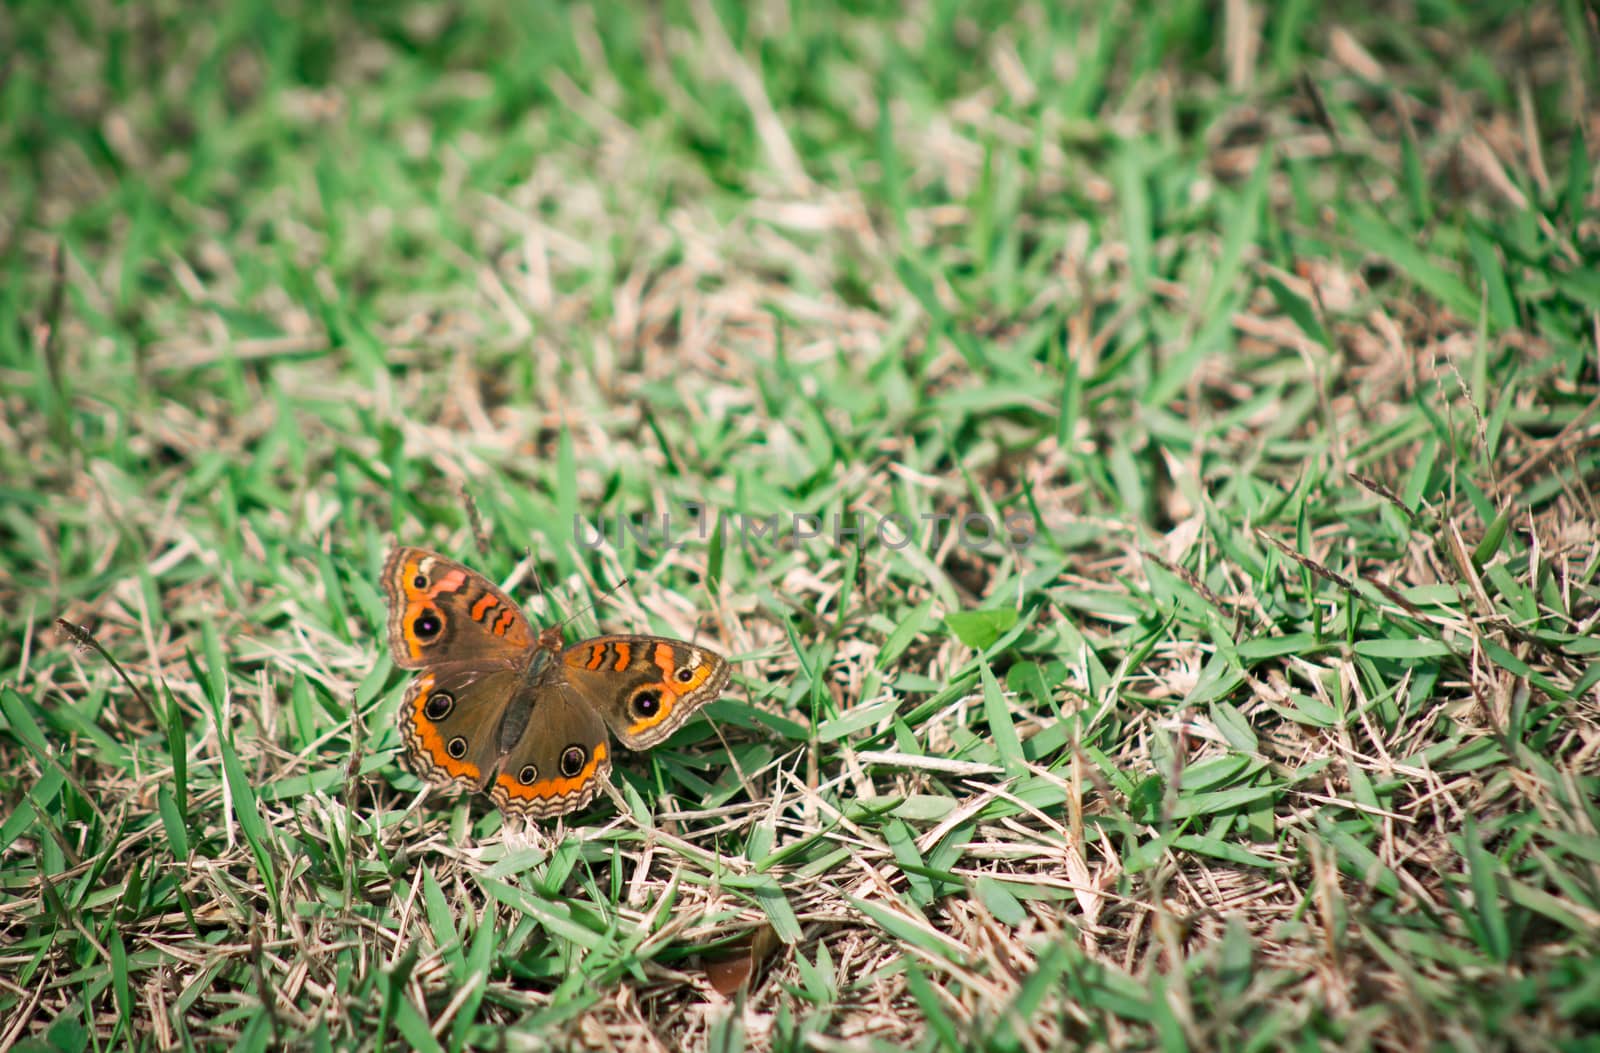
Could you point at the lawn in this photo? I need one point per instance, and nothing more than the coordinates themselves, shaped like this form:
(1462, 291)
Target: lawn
(1138, 462)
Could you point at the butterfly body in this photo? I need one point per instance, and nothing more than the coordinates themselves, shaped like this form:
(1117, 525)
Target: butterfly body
(496, 707)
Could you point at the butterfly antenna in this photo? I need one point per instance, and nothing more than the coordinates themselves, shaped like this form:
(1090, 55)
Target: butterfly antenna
(533, 572)
(584, 610)
(538, 587)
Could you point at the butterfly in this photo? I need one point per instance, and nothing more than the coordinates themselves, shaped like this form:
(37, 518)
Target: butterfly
(495, 707)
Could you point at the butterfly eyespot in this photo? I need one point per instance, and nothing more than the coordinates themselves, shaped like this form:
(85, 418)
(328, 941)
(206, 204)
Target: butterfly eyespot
(646, 702)
(428, 624)
(420, 581)
(573, 759)
(456, 747)
(439, 705)
(685, 675)
(528, 775)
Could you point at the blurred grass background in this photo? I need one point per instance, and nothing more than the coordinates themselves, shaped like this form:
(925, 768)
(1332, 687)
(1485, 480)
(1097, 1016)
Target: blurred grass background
(1277, 322)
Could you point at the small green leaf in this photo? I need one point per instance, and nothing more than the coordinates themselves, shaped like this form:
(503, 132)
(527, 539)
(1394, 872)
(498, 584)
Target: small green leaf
(980, 629)
(1002, 904)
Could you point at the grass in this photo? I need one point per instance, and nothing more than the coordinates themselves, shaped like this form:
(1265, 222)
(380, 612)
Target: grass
(1268, 329)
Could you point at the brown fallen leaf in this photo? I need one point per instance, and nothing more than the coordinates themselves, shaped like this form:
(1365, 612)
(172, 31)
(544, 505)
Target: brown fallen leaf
(734, 965)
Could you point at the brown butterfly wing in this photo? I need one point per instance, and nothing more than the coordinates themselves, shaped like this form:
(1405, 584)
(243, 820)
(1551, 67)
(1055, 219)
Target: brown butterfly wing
(557, 754)
(450, 722)
(645, 687)
(440, 611)
(471, 644)
(496, 707)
